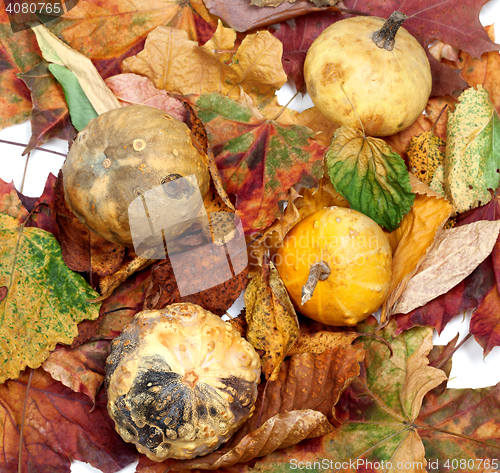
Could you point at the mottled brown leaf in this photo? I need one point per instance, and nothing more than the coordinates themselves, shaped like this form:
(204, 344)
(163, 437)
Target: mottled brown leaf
(272, 322)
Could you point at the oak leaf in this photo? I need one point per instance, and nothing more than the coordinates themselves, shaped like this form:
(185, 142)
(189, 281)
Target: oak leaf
(39, 311)
(258, 159)
(59, 426)
(370, 176)
(272, 323)
(454, 254)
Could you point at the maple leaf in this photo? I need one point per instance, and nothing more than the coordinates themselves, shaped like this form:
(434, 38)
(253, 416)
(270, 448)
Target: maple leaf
(370, 176)
(49, 115)
(179, 65)
(378, 410)
(18, 54)
(272, 323)
(89, 26)
(258, 159)
(60, 425)
(31, 268)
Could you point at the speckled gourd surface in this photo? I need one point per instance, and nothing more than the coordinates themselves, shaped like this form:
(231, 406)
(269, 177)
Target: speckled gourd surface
(122, 154)
(180, 382)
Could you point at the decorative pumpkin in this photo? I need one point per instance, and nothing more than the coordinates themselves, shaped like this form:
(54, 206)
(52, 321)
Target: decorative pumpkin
(180, 382)
(370, 70)
(336, 265)
(119, 157)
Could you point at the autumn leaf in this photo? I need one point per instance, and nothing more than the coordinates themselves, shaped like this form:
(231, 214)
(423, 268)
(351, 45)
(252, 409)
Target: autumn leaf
(132, 89)
(470, 168)
(272, 322)
(179, 65)
(39, 311)
(370, 176)
(89, 26)
(80, 369)
(378, 410)
(454, 254)
(18, 54)
(483, 70)
(411, 240)
(59, 426)
(60, 54)
(298, 38)
(425, 154)
(49, 116)
(258, 159)
(10, 203)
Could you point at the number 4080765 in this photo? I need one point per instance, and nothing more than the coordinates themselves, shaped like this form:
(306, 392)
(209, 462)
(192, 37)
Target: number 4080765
(33, 7)
(480, 464)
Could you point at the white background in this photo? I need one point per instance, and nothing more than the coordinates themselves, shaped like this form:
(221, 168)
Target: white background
(470, 370)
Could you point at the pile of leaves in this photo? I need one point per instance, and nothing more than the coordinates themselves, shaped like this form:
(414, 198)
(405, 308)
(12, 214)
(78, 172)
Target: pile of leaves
(345, 396)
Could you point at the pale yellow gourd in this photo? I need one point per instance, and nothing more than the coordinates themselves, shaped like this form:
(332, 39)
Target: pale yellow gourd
(371, 71)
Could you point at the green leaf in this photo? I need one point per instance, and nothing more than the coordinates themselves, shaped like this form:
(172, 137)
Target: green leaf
(370, 176)
(44, 299)
(80, 108)
(472, 159)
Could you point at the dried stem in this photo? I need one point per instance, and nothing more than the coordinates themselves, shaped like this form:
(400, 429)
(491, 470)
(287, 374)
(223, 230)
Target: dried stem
(39, 148)
(385, 37)
(319, 272)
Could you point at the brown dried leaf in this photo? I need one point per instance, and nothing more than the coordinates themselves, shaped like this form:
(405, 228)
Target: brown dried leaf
(272, 322)
(425, 154)
(280, 431)
(176, 64)
(80, 369)
(318, 342)
(454, 254)
(132, 89)
(10, 203)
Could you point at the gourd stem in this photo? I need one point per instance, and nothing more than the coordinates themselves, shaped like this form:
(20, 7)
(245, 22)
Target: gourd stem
(319, 272)
(384, 38)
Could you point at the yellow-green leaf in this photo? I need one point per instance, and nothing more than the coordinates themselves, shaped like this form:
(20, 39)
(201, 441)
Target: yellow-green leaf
(44, 299)
(472, 159)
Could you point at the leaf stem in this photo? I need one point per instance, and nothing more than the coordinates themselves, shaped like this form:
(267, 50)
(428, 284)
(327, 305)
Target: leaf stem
(38, 148)
(287, 104)
(447, 357)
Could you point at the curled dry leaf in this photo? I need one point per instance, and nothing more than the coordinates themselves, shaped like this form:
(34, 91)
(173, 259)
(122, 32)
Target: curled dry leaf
(272, 323)
(177, 64)
(132, 89)
(454, 254)
(280, 431)
(411, 240)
